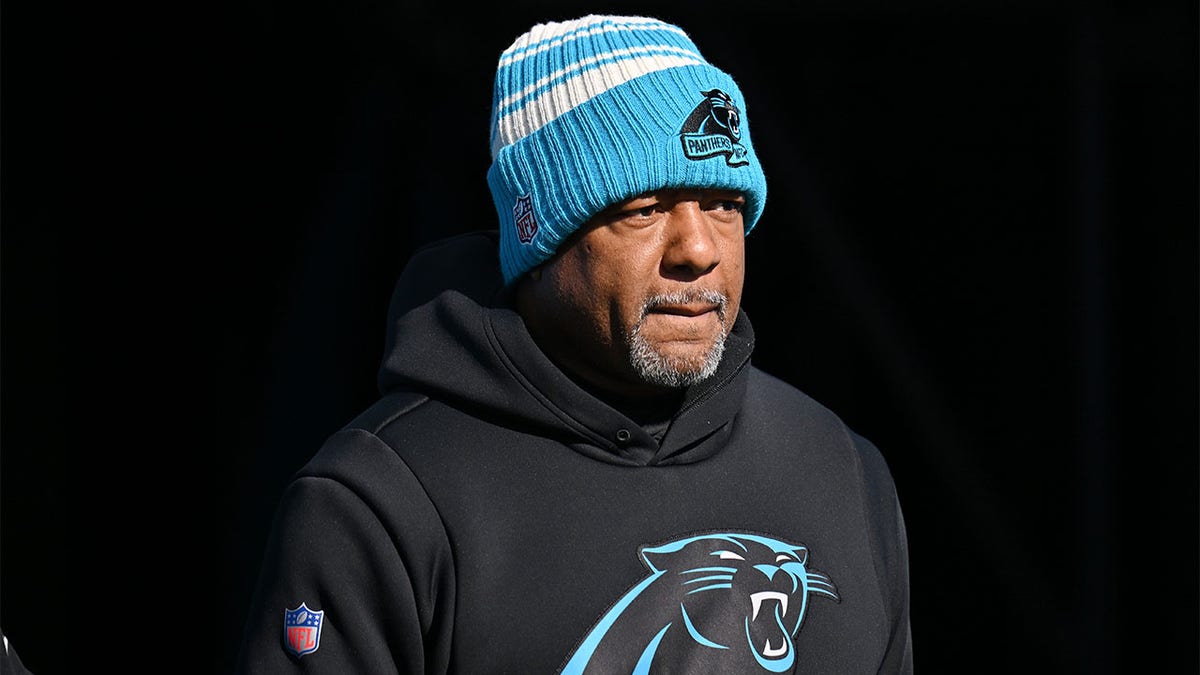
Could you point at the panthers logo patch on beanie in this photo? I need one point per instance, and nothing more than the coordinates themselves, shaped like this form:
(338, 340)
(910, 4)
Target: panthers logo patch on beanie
(714, 128)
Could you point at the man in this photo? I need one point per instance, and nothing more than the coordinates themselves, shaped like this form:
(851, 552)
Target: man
(574, 467)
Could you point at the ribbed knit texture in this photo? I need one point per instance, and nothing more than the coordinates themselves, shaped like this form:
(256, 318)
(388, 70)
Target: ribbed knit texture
(590, 112)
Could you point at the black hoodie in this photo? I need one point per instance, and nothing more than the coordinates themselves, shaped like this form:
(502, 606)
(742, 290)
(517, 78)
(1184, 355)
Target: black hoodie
(489, 515)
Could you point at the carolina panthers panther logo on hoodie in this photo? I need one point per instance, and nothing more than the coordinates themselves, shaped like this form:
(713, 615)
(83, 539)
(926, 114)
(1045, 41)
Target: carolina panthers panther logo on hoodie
(724, 602)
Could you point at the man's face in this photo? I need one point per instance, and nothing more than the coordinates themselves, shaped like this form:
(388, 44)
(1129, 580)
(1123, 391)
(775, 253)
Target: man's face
(641, 298)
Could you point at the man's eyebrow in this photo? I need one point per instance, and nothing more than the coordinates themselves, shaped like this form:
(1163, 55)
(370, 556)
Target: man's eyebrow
(617, 206)
(669, 193)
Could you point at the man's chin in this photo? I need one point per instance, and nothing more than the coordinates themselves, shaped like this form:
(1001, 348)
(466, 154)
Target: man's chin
(675, 364)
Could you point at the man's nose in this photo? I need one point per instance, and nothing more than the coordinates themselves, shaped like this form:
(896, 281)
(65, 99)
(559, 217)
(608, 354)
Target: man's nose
(691, 247)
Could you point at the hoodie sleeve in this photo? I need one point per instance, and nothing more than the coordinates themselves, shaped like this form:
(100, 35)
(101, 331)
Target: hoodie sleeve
(10, 663)
(891, 542)
(357, 576)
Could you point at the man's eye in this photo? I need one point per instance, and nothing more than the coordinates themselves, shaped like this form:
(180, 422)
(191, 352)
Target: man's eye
(730, 205)
(646, 211)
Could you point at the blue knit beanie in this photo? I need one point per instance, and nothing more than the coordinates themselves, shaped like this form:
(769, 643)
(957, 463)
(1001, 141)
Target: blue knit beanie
(594, 111)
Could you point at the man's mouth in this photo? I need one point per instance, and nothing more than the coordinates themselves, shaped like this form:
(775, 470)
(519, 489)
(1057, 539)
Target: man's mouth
(689, 303)
(685, 310)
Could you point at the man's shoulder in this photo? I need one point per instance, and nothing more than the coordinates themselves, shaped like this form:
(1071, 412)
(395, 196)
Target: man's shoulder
(358, 446)
(785, 403)
(389, 408)
(775, 394)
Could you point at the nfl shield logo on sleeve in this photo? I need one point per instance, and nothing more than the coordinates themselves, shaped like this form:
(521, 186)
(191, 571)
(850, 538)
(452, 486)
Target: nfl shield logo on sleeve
(302, 629)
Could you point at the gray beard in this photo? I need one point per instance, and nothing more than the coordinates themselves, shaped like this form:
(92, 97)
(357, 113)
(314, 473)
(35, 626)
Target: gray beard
(659, 369)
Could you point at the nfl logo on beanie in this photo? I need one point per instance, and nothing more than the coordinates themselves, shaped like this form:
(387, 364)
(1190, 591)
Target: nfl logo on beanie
(590, 112)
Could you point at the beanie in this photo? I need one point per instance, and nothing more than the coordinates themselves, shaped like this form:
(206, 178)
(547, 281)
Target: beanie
(590, 112)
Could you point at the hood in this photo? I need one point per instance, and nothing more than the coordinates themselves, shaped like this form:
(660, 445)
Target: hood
(454, 336)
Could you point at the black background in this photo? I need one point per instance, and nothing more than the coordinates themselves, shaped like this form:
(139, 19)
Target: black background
(979, 248)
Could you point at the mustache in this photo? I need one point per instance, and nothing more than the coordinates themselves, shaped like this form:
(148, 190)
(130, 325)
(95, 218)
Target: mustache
(687, 296)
